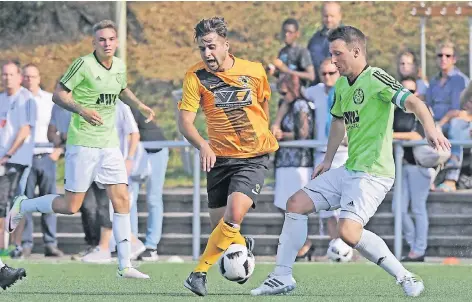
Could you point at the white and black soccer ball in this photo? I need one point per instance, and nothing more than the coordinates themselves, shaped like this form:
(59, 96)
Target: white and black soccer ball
(339, 251)
(237, 263)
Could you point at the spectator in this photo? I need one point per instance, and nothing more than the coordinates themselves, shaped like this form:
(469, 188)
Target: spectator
(157, 158)
(322, 96)
(318, 45)
(407, 66)
(416, 182)
(443, 96)
(293, 166)
(43, 169)
(17, 122)
(293, 59)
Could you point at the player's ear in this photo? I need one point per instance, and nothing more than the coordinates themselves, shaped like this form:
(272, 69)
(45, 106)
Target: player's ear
(357, 51)
(227, 45)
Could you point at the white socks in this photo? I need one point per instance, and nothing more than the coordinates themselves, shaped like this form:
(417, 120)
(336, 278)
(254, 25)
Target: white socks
(291, 240)
(376, 250)
(41, 204)
(122, 234)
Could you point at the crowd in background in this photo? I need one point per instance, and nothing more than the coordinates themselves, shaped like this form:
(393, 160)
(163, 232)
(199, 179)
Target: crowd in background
(305, 82)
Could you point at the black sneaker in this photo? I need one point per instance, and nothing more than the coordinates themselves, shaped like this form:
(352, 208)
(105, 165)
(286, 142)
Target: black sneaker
(9, 275)
(17, 253)
(196, 282)
(149, 255)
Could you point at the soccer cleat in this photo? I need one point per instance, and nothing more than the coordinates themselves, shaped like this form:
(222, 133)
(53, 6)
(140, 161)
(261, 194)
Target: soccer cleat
(131, 273)
(14, 215)
(196, 282)
(9, 275)
(275, 285)
(250, 243)
(412, 285)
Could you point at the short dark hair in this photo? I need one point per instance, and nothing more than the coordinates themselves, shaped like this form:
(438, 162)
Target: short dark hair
(13, 62)
(349, 34)
(213, 25)
(291, 21)
(408, 78)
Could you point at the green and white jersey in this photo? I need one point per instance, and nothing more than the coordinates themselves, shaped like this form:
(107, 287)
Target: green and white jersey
(367, 106)
(95, 87)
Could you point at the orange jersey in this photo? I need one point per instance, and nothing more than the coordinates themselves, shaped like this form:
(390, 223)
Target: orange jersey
(232, 103)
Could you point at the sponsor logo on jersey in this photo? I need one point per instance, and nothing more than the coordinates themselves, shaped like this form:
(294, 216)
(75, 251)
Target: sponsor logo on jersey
(351, 119)
(107, 99)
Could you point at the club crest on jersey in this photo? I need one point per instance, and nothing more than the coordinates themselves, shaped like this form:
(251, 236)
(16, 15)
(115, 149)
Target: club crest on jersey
(358, 96)
(120, 78)
(244, 81)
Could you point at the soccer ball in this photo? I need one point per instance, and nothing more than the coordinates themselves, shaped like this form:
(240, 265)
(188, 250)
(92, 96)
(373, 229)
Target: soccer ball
(237, 263)
(339, 251)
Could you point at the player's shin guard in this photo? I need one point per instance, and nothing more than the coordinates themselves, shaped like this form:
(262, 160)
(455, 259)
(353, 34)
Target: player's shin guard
(122, 233)
(376, 250)
(41, 204)
(291, 240)
(220, 239)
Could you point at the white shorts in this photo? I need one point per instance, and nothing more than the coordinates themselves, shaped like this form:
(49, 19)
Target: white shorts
(84, 165)
(357, 194)
(287, 182)
(339, 160)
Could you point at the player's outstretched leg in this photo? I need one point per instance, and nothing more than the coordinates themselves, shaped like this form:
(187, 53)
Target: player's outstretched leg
(373, 248)
(224, 234)
(122, 231)
(292, 238)
(9, 275)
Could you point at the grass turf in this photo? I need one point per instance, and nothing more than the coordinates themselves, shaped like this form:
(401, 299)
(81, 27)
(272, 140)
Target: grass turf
(316, 282)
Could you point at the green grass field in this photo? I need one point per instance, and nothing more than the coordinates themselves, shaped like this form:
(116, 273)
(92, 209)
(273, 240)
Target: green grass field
(316, 282)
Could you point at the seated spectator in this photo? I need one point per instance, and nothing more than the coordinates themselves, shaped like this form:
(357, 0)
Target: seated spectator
(293, 166)
(293, 59)
(407, 66)
(443, 96)
(416, 182)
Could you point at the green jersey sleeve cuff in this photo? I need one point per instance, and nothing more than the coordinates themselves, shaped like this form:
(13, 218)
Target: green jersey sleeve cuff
(336, 116)
(65, 87)
(399, 98)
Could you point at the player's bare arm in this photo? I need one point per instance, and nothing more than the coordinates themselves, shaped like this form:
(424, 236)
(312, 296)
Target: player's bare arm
(435, 138)
(23, 133)
(128, 97)
(336, 136)
(190, 132)
(63, 98)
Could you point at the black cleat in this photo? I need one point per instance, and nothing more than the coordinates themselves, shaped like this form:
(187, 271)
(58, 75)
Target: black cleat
(250, 243)
(196, 282)
(9, 275)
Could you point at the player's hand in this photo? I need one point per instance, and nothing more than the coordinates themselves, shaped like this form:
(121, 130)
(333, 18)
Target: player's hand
(146, 111)
(320, 169)
(54, 156)
(207, 157)
(91, 116)
(437, 140)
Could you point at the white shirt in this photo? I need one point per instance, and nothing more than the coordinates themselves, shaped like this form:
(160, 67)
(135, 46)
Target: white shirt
(44, 106)
(60, 118)
(318, 95)
(17, 111)
(125, 125)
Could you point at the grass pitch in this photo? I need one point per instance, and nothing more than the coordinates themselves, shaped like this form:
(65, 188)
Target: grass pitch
(315, 282)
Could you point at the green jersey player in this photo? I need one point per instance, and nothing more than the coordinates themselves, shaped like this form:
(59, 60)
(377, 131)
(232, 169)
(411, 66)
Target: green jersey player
(364, 105)
(90, 89)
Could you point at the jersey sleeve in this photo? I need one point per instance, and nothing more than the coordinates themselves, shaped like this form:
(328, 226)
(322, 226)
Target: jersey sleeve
(336, 109)
(389, 89)
(305, 59)
(190, 93)
(264, 92)
(74, 75)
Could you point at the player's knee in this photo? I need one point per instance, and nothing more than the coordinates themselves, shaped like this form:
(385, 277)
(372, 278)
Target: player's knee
(234, 215)
(350, 233)
(121, 204)
(300, 203)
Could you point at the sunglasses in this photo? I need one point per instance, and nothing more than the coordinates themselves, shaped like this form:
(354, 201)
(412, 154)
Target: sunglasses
(330, 73)
(440, 55)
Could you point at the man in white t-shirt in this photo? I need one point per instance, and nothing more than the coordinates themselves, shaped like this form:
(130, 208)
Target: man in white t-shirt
(322, 97)
(43, 169)
(17, 120)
